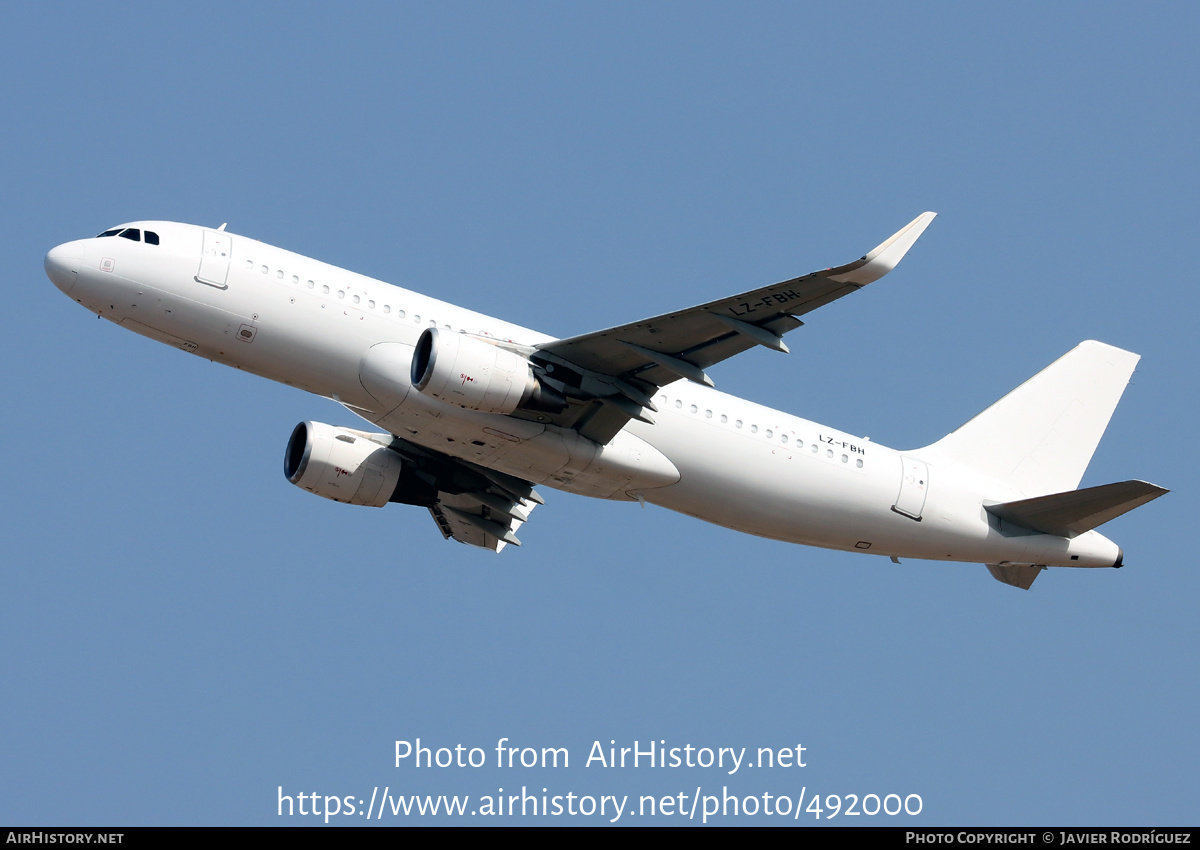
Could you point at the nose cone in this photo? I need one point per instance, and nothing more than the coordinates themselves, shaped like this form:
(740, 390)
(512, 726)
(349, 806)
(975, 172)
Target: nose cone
(62, 264)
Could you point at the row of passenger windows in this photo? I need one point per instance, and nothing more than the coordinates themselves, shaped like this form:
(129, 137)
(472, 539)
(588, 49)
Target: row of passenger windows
(400, 314)
(768, 433)
(132, 233)
(343, 295)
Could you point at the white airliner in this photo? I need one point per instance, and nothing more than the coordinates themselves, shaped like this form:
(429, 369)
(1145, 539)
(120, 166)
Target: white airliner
(476, 411)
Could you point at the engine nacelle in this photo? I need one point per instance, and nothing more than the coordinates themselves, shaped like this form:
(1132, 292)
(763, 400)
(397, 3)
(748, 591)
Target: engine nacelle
(341, 464)
(471, 373)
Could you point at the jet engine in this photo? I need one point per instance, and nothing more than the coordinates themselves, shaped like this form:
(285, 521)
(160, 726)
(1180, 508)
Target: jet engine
(341, 464)
(473, 373)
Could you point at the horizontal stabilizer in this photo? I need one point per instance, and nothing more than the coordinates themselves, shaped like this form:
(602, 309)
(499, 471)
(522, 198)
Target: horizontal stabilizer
(1018, 575)
(1076, 511)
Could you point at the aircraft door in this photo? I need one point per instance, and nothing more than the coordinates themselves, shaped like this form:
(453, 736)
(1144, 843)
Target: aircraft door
(214, 259)
(914, 486)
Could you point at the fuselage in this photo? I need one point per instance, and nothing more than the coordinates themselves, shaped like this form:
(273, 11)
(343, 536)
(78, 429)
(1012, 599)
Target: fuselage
(722, 459)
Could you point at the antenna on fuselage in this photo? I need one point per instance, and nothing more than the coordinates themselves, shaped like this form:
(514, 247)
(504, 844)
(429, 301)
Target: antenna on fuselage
(222, 227)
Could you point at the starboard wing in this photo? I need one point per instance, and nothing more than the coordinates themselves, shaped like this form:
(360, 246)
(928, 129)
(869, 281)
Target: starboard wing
(611, 375)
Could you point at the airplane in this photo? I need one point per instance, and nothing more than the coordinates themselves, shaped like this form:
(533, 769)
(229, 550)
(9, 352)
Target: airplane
(475, 411)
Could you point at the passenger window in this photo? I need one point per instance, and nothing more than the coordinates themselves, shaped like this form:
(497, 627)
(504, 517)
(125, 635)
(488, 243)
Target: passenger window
(132, 233)
(151, 237)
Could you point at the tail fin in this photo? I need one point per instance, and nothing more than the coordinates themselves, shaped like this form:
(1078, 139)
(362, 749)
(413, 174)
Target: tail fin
(1040, 437)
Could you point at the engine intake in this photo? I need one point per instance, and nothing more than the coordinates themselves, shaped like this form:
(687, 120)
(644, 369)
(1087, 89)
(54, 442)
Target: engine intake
(341, 464)
(475, 374)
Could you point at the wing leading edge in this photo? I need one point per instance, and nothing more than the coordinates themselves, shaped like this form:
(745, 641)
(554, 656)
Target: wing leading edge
(609, 376)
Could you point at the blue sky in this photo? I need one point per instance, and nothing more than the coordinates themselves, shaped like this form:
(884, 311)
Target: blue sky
(183, 632)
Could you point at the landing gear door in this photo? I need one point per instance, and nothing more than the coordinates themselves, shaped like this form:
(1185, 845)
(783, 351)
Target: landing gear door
(214, 259)
(914, 486)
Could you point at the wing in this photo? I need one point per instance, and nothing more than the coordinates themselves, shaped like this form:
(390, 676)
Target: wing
(489, 523)
(470, 503)
(610, 376)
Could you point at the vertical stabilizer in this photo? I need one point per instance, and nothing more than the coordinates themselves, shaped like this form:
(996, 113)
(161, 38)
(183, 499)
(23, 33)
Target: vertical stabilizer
(1041, 436)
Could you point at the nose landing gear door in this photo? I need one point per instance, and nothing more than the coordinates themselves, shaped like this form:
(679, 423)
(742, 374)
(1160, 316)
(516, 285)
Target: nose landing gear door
(214, 259)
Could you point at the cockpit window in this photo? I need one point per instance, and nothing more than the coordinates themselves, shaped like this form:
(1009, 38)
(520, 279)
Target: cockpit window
(131, 233)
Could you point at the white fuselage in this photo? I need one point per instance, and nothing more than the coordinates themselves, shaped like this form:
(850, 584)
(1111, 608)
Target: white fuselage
(237, 301)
